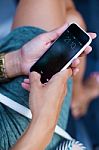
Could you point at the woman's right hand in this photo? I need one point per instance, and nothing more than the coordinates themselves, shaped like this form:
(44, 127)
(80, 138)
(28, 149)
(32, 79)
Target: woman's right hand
(46, 100)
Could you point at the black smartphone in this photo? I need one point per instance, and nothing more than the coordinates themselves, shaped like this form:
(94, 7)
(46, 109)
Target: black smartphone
(62, 52)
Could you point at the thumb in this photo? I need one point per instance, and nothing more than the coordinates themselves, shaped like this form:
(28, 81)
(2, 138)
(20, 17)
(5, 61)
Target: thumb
(54, 34)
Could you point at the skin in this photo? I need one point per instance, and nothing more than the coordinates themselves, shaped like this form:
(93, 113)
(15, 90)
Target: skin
(57, 12)
(48, 15)
(19, 63)
(55, 16)
(44, 105)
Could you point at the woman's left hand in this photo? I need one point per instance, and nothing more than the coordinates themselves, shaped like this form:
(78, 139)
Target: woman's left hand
(19, 62)
(34, 49)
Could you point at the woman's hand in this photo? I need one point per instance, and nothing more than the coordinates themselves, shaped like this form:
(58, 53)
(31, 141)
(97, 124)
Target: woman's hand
(45, 103)
(46, 100)
(20, 62)
(32, 51)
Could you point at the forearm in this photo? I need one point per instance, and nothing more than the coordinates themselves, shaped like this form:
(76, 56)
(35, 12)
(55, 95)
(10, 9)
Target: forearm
(36, 137)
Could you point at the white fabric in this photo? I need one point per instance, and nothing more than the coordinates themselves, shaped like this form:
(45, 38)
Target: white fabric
(27, 113)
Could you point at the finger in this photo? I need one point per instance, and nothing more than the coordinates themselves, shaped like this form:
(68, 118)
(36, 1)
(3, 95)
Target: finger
(93, 35)
(61, 77)
(86, 51)
(67, 73)
(35, 79)
(59, 31)
(26, 86)
(27, 81)
(75, 71)
(75, 63)
(89, 48)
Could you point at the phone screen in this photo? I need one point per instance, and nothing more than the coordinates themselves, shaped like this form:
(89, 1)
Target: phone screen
(61, 52)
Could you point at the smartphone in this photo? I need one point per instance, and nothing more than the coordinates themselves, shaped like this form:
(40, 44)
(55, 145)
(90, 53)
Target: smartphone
(71, 43)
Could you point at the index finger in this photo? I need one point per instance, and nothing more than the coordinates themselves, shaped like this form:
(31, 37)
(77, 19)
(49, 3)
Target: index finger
(92, 35)
(61, 77)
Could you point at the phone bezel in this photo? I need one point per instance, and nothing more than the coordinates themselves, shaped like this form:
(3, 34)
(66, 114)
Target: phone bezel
(77, 54)
(81, 50)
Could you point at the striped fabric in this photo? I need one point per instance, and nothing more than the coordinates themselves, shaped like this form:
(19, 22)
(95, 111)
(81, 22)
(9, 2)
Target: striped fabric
(68, 145)
(65, 145)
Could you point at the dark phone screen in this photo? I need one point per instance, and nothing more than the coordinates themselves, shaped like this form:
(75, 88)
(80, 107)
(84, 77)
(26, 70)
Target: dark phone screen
(61, 52)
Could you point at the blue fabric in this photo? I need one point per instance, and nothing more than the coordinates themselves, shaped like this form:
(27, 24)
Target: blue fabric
(91, 119)
(12, 124)
(82, 136)
(90, 11)
(7, 12)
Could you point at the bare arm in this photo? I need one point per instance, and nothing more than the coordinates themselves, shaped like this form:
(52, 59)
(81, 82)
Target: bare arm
(45, 108)
(34, 138)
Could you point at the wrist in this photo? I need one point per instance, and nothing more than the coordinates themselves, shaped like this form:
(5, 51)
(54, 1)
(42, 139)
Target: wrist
(12, 64)
(34, 138)
(41, 133)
